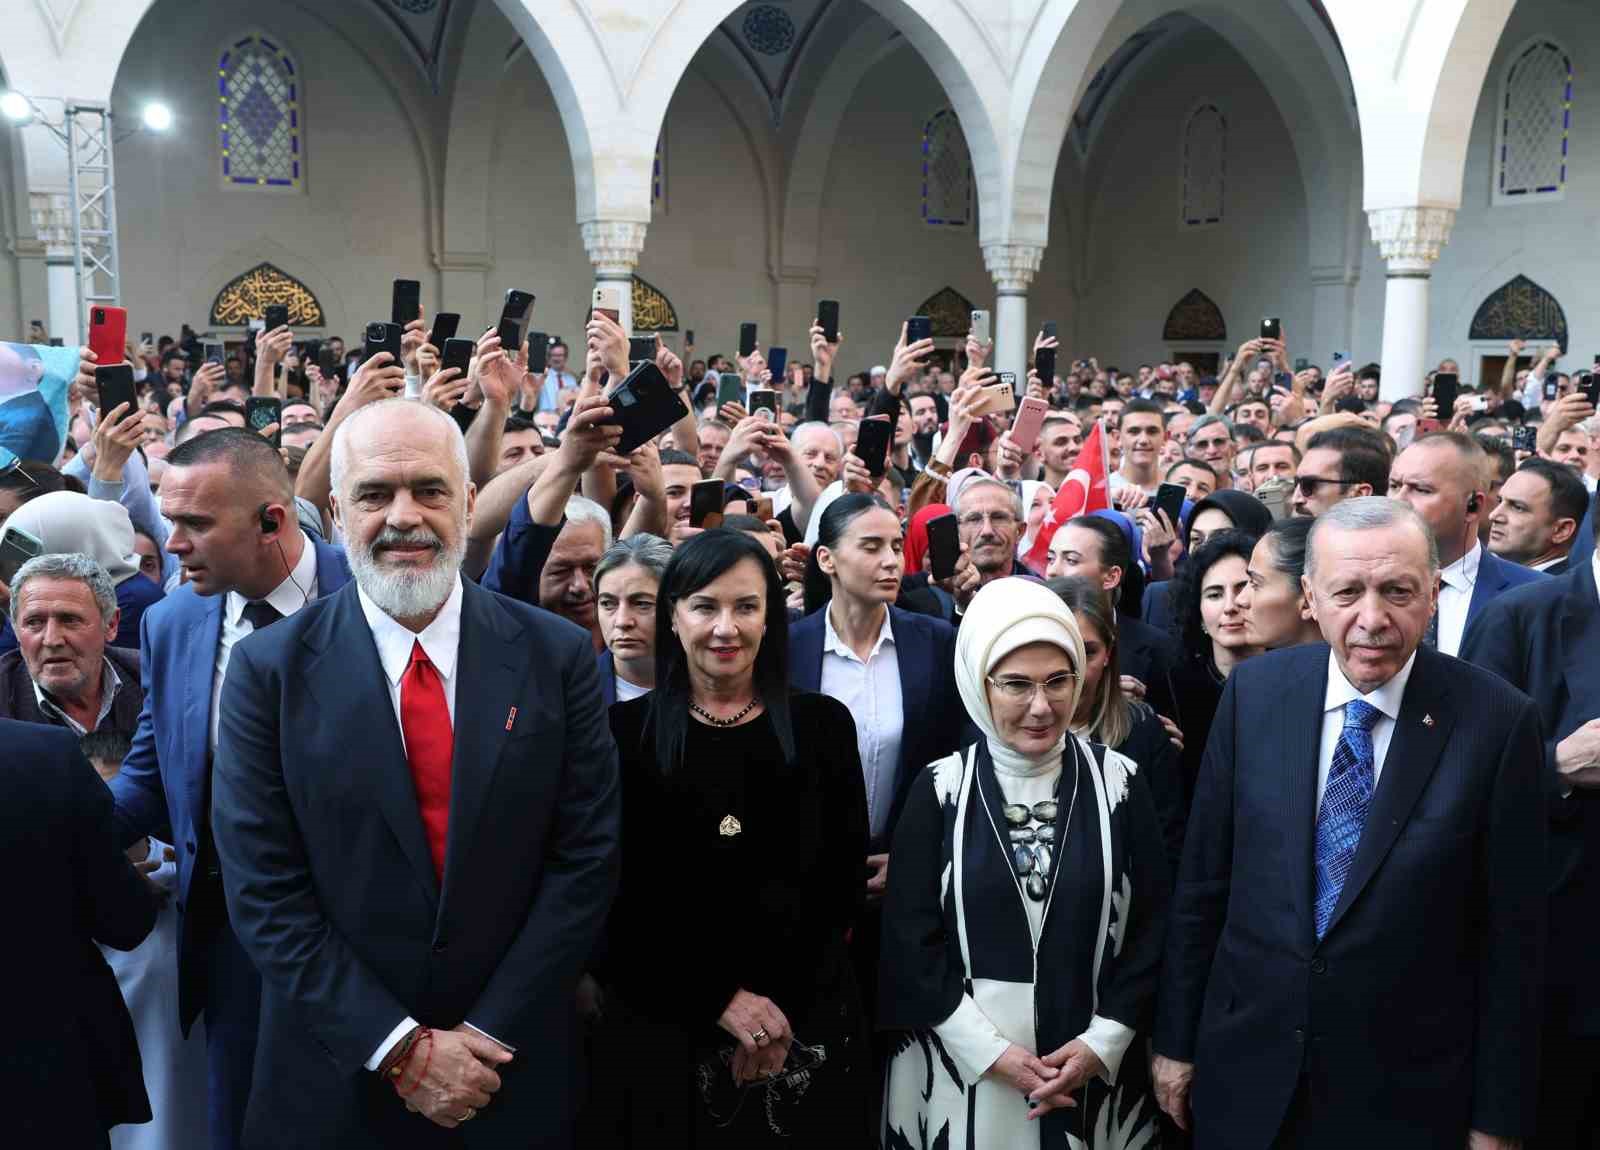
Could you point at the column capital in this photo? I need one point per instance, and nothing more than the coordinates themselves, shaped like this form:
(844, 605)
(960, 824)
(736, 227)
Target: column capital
(613, 246)
(1012, 265)
(1410, 238)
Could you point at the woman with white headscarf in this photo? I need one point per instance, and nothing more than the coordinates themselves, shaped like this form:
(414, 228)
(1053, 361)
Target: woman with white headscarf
(1036, 498)
(1026, 909)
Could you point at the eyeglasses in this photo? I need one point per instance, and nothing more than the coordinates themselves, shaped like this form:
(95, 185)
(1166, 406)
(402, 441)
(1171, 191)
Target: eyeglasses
(1309, 485)
(1021, 690)
(1000, 519)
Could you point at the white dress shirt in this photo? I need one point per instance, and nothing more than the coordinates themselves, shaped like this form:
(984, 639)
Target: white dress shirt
(627, 691)
(1386, 699)
(1455, 596)
(298, 589)
(872, 692)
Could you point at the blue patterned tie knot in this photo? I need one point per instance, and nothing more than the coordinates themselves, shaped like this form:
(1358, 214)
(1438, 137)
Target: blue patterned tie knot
(1345, 802)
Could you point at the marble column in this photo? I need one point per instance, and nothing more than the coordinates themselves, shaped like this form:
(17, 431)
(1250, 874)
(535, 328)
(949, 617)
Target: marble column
(1013, 266)
(1409, 239)
(614, 247)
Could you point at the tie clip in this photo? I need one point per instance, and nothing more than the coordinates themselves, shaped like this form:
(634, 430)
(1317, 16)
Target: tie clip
(512, 718)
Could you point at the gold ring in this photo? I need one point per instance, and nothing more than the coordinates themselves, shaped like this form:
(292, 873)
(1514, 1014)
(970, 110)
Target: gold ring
(467, 1117)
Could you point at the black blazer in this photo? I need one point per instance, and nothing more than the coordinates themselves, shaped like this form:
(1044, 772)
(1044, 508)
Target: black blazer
(331, 887)
(71, 1070)
(17, 700)
(1149, 654)
(1416, 1016)
(1544, 639)
(925, 649)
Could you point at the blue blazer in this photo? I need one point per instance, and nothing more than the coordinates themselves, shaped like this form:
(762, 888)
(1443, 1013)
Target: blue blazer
(1544, 639)
(607, 667)
(925, 649)
(1416, 1016)
(1497, 575)
(165, 781)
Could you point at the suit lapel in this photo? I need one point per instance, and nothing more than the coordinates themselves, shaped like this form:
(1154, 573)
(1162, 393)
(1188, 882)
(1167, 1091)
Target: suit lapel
(1580, 639)
(807, 653)
(492, 671)
(346, 667)
(1303, 747)
(200, 659)
(1419, 738)
(914, 660)
(1490, 582)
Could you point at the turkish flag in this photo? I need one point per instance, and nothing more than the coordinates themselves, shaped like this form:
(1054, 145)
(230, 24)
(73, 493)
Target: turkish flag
(1083, 491)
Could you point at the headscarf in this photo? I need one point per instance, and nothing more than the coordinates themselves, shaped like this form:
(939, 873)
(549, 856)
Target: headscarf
(1008, 614)
(1244, 511)
(66, 522)
(959, 479)
(1030, 491)
(916, 550)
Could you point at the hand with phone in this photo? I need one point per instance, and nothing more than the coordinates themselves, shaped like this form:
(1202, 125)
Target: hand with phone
(605, 336)
(116, 436)
(822, 352)
(380, 377)
(1338, 385)
(669, 363)
(1008, 457)
(445, 388)
(857, 479)
(908, 360)
(495, 375)
(587, 435)
(272, 347)
(1568, 411)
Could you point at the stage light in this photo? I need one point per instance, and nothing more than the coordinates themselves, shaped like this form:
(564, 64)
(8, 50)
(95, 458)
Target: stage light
(14, 106)
(157, 117)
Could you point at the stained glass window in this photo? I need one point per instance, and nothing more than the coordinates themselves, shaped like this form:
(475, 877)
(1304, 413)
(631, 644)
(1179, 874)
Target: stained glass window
(259, 115)
(658, 175)
(1535, 125)
(1205, 148)
(946, 172)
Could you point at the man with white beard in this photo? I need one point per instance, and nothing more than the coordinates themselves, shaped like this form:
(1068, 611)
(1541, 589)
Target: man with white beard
(416, 805)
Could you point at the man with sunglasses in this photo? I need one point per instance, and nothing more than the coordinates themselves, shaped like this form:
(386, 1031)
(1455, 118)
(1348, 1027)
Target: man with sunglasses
(1340, 463)
(1211, 440)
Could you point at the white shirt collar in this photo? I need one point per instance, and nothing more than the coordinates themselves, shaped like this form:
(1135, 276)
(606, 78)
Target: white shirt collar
(832, 644)
(440, 639)
(1386, 698)
(290, 595)
(1463, 573)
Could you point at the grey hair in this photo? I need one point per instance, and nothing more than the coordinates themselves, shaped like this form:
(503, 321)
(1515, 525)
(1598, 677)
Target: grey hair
(650, 552)
(582, 509)
(814, 425)
(1206, 421)
(69, 565)
(1366, 513)
(981, 481)
(340, 457)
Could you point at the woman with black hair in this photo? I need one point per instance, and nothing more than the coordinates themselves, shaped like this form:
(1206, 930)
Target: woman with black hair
(726, 989)
(1276, 608)
(1213, 631)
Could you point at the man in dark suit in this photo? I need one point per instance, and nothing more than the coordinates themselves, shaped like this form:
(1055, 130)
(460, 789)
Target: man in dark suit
(231, 504)
(72, 1070)
(1536, 521)
(1544, 639)
(419, 899)
(1354, 950)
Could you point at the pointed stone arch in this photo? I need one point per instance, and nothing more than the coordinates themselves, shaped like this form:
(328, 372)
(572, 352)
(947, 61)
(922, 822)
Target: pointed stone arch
(246, 296)
(1520, 309)
(949, 313)
(1195, 317)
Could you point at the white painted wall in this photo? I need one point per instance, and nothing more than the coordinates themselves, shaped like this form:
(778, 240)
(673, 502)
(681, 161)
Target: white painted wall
(361, 222)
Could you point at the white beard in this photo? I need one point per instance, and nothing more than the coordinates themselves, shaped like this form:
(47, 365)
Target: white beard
(408, 593)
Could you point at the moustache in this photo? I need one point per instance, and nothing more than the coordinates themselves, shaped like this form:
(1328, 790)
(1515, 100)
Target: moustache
(391, 537)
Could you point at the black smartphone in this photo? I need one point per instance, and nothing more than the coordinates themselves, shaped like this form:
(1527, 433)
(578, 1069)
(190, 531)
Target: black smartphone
(148, 337)
(382, 337)
(688, 337)
(261, 412)
(309, 351)
(510, 332)
(705, 503)
(277, 315)
(538, 348)
(1590, 386)
(457, 353)
(1552, 387)
(1044, 362)
(406, 303)
(518, 304)
(327, 362)
(215, 352)
(1271, 328)
(730, 388)
(1169, 498)
(777, 362)
(514, 319)
(1525, 439)
(115, 384)
(872, 444)
(16, 548)
(764, 399)
(1446, 385)
(918, 327)
(747, 338)
(641, 348)
(1048, 329)
(944, 546)
(644, 405)
(445, 326)
(828, 319)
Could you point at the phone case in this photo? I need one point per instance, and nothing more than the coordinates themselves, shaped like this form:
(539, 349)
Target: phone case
(777, 362)
(608, 301)
(644, 405)
(872, 445)
(766, 400)
(828, 319)
(406, 302)
(538, 349)
(108, 333)
(457, 353)
(1030, 418)
(1044, 363)
(980, 326)
(275, 316)
(730, 388)
(445, 326)
(944, 546)
(705, 504)
(115, 386)
(997, 397)
(747, 338)
(918, 327)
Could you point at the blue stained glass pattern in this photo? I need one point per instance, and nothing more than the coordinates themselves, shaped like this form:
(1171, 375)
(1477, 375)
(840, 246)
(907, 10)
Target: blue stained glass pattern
(946, 172)
(1535, 126)
(259, 115)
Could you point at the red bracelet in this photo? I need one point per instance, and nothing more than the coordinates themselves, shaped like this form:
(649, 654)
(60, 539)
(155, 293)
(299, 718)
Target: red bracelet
(400, 1086)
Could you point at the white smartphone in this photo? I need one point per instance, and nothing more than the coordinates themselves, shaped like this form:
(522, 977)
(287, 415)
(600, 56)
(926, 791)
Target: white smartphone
(608, 300)
(980, 326)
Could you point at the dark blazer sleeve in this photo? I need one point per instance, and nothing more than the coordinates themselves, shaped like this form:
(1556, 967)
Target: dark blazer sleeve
(113, 899)
(1128, 982)
(272, 897)
(534, 982)
(920, 980)
(520, 555)
(140, 800)
(1499, 640)
(1149, 746)
(1201, 899)
(1511, 933)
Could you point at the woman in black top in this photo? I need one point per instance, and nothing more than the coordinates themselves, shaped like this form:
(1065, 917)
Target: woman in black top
(727, 994)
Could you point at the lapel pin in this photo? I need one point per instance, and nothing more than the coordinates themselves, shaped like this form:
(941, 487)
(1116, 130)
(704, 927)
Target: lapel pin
(1427, 720)
(728, 827)
(511, 717)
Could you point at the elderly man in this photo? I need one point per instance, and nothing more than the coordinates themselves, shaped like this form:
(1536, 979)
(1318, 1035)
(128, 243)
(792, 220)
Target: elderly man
(990, 522)
(1211, 440)
(1354, 950)
(64, 672)
(420, 901)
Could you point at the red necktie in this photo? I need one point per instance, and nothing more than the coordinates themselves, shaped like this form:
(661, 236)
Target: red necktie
(430, 742)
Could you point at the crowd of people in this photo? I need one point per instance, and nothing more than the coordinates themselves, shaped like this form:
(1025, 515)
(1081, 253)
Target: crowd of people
(1145, 759)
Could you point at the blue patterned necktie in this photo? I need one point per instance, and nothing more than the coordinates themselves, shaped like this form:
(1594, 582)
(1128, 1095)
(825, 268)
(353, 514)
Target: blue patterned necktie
(1344, 806)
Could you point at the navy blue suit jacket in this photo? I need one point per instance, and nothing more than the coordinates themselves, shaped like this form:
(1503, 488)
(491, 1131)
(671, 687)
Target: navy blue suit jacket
(607, 667)
(1495, 577)
(165, 783)
(1544, 639)
(925, 649)
(332, 889)
(1416, 1016)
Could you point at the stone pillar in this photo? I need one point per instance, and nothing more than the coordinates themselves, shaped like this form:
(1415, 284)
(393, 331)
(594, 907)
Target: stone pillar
(614, 247)
(1409, 239)
(1013, 266)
